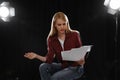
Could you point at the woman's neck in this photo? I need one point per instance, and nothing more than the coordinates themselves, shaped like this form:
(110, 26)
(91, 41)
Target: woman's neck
(61, 36)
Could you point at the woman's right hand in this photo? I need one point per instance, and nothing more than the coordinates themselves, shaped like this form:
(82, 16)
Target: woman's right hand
(30, 55)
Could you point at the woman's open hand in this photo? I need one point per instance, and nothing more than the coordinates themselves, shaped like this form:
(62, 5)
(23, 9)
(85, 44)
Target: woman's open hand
(30, 55)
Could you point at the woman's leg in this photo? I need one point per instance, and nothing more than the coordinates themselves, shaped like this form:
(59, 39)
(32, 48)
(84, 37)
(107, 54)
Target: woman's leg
(46, 70)
(69, 73)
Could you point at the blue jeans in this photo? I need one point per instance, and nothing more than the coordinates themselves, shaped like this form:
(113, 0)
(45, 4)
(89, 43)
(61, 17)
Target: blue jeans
(54, 71)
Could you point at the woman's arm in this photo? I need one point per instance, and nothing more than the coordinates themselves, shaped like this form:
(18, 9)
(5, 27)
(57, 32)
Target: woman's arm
(79, 44)
(32, 55)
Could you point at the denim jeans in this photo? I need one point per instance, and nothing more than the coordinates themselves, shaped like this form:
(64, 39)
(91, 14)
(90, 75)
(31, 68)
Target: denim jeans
(54, 71)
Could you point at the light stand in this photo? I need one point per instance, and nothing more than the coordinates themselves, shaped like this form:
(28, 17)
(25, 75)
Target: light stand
(113, 7)
(116, 47)
(116, 32)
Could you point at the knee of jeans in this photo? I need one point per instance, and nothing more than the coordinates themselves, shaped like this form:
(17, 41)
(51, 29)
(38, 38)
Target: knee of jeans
(55, 78)
(81, 70)
(43, 66)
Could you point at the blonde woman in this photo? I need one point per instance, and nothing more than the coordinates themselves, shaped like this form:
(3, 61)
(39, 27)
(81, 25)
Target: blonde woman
(60, 38)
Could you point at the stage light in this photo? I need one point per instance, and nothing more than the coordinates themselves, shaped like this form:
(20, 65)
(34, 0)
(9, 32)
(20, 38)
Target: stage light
(6, 11)
(113, 6)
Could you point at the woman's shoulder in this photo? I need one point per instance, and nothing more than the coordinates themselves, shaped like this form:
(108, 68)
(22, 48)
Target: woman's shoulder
(51, 38)
(75, 32)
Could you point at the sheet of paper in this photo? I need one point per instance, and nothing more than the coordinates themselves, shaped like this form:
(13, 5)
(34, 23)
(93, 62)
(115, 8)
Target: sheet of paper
(75, 54)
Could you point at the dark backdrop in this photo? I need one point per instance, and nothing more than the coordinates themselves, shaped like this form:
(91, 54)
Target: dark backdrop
(28, 30)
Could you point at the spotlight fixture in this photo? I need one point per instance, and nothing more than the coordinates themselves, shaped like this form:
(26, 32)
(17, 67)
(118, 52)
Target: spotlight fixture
(6, 11)
(113, 6)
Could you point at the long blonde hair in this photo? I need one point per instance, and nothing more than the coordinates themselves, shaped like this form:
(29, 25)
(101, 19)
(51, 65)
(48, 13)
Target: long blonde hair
(58, 15)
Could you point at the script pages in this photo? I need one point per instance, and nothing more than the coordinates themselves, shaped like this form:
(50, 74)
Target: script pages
(75, 54)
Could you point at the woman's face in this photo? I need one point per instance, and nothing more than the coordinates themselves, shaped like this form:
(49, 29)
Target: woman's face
(61, 26)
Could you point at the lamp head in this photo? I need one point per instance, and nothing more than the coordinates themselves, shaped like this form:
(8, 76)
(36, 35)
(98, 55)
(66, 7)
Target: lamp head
(6, 11)
(113, 6)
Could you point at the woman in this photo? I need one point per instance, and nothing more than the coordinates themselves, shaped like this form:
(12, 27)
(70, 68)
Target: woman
(60, 38)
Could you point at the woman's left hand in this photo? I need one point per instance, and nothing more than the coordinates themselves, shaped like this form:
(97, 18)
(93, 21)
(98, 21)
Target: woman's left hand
(81, 62)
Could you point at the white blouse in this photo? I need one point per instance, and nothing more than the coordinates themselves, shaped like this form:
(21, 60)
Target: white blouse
(61, 42)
